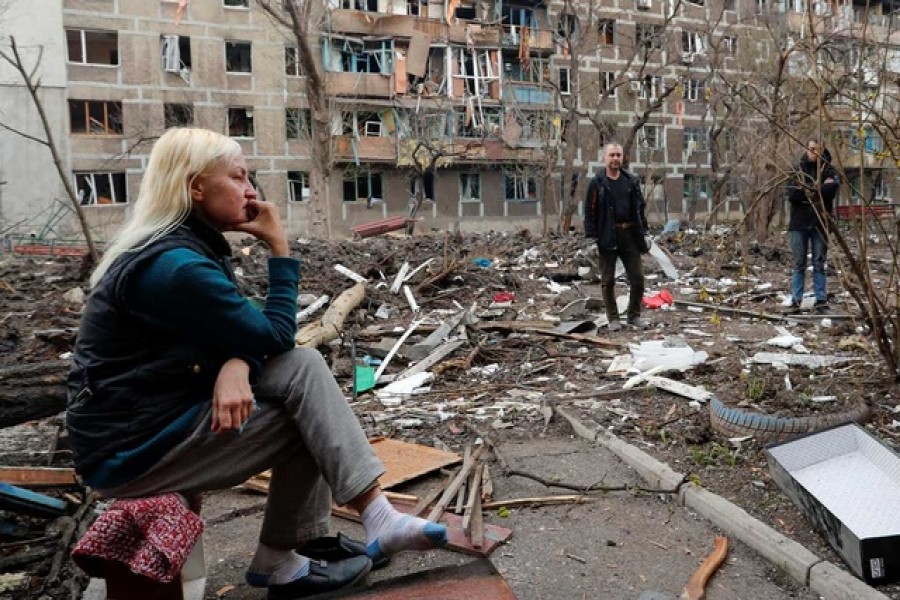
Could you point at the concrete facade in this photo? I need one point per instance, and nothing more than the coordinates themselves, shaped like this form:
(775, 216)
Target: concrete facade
(28, 178)
(487, 86)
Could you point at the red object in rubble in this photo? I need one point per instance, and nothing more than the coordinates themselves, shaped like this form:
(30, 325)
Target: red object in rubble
(503, 297)
(658, 300)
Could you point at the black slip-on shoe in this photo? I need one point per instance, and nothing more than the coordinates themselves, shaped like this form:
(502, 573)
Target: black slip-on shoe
(339, 547)
(324, 579)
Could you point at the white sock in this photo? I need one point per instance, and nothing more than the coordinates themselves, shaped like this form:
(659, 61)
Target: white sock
(389, 531)
(271, 566)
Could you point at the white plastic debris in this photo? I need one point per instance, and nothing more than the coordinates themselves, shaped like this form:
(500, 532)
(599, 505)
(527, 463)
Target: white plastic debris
(655, 353)
(394, 393)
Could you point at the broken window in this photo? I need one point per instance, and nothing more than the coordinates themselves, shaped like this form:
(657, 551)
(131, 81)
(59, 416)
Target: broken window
(567, 26)
(101, 188)
(175, 53)
(520, 16)
(353, 56)
(297, 123)
(649, 37)
(95, 117)
(537, 126)
(565, 84)
(470, 187)
(520, 188)
(417, 7)
(292, 67)
(607, 30)
(240, 122)
(696, 188)
(363, 186)
(467, 13)
(651, 136)
(474, 121)
(424, 183)
(650, 87)
(534, 70)
(298, 186)
(362, 124)
(236, 3)
(178, 115)
(692, 42)
(729, 43)
(695, 140)
(607, 83)
(238, 58)
(93, 47)
(477, 70)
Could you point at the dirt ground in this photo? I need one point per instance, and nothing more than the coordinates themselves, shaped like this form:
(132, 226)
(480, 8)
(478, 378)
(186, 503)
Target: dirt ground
(499, 379)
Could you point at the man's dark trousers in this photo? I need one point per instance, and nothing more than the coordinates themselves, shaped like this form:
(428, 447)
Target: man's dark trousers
(628, 251)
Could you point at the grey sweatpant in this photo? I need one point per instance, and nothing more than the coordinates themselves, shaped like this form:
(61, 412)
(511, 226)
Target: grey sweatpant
(303, 430)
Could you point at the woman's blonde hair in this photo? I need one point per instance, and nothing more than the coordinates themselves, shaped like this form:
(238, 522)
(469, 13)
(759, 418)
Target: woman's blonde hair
(164, 202)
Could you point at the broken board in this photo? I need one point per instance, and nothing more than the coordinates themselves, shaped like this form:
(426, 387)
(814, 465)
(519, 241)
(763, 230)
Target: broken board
(457, 539)
(405, 461)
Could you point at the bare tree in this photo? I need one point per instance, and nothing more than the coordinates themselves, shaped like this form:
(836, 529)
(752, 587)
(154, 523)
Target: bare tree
(31, 81)
(304, 18)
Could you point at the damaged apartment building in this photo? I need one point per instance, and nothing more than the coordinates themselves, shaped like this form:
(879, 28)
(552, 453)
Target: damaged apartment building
(460, 102)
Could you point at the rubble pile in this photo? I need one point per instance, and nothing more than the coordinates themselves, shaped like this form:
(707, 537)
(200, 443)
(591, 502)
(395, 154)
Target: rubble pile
(458, 333)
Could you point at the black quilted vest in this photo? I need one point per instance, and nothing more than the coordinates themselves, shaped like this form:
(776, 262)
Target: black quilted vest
(128, 379)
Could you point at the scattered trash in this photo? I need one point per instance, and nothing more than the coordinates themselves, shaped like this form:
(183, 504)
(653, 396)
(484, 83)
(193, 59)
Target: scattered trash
(658, 300)
(665, 353)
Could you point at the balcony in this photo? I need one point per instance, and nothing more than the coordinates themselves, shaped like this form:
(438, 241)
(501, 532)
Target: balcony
(524, 92)
(537, 39)
(359, 85)
(381, 149)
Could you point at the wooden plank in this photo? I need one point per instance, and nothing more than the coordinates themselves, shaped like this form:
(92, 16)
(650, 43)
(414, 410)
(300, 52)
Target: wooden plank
(474, 492)
(454, 486)
(38, 476)
(405, 461)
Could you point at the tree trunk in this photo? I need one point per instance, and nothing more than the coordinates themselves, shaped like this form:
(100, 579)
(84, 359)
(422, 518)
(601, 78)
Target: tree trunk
(30, 392)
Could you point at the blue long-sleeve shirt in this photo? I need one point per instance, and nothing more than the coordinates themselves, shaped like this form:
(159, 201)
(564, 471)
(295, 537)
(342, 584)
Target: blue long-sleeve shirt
(187, 293)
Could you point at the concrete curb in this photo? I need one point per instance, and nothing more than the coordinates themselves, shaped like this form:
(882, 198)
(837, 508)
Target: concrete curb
(820, 576)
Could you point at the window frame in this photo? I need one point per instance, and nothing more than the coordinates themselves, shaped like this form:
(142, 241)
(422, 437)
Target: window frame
(520, 181)
(370, 177)
(469, 176)
(659, 137)
(302, 122)
(607, 83)
(234, 45)
(606, 31)
(567, 89)
(303, 183)
(699, 136)
(248, 118)
(168, 111)
(84, 50)
(298, 68)
(93, 187)
(244, 4)
(108, 118)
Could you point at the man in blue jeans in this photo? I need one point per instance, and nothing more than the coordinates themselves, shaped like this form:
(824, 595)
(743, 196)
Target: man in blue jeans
(811, 194)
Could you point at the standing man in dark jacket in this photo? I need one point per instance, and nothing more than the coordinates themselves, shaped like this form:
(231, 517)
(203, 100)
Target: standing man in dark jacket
(614, 217)
(811, 195)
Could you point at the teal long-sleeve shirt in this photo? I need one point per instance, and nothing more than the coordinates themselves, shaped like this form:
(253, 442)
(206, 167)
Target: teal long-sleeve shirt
(184, 292)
